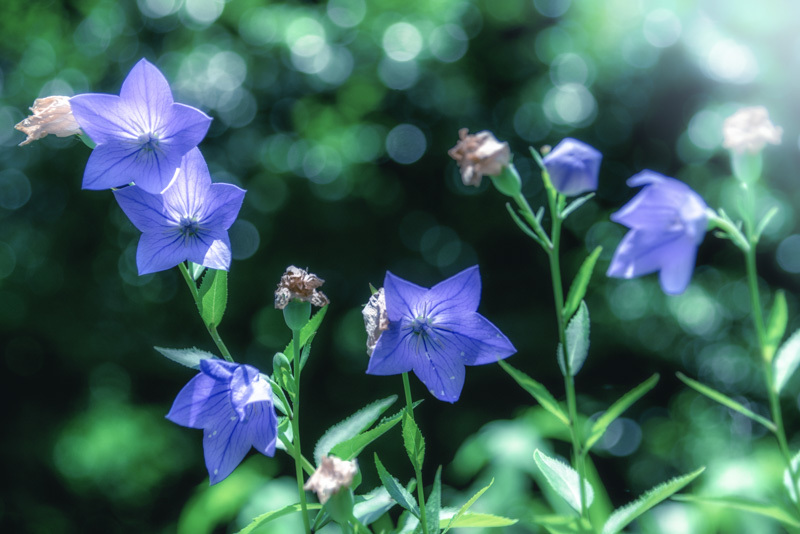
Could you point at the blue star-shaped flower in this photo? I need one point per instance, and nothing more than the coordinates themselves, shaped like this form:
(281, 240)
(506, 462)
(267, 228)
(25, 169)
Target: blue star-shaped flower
(141, 135)
(232, 403)
(573, 167)
(189, 221)
(436, 332)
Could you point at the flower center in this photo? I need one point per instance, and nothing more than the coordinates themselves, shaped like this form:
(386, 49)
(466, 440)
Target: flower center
(148, 141)
(422, 325)
(188, 226)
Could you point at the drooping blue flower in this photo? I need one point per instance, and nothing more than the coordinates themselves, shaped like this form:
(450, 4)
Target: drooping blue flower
(573, 167)
(189, 221)
(232, 403)
(667, 222)
(141, 135)
(436, 332)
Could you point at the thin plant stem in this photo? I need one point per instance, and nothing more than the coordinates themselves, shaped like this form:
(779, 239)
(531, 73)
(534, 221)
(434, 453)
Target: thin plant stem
(298, 455)
(212, 329)
(417, 469)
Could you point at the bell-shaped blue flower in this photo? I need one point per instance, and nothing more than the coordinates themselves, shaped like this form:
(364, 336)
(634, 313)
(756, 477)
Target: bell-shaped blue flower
(436, 332)
(141, 135)
(573, 167)
(667, 222)
(232, 403)
(189, 221)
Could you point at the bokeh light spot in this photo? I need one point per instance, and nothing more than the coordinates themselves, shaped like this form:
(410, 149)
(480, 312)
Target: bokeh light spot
(729, 61)
(402, 41)
(15, 189)
(405, 143)
(571, 104)
(204, 12)
(244, 239)
(552, 8)
(346, 13)
(398, 75)
(661, 28)
(448, 43)
(705, 129)
(788, 254)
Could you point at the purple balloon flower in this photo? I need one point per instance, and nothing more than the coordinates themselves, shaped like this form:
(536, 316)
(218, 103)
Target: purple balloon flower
(232, 403)
(141, 135)
(436, 332)
(189, 221)
(667, 222)
(573, 167)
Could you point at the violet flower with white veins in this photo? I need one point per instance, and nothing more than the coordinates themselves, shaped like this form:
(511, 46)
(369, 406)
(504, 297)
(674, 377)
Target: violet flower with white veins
(189, 221)
(232, 403)
(436, 332)
(667, 222)
(141, 135)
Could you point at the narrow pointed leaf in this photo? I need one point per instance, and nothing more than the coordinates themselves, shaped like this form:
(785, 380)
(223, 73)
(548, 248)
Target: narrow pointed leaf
(618, 408)
(213, 296)
(786, 361)
(578, 288)
(413, 441)
(577, 334)
(376, 503)
(195, 270)
(476, 520)
(623, 516)
(522, 226)
(575, 204)
(776, 324)
(762, 225)
(564, 480)
(263, 519)
(400, 494)
(434, 504)
(723, 399)
(787, 477)
(351, 427)
(467, 506)
(737, 503)
(308, 331)
(349, 449)
(537, 391)
(188, 357)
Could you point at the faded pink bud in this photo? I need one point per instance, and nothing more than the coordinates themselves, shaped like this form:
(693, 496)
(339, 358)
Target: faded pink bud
(332, 475)
(479, 154)
(749, 130)
(51, 115)
(297, 284)
(375, 319)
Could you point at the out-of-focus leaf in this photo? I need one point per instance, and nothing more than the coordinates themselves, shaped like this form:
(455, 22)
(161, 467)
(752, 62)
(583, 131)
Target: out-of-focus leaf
(263, 519)
(564, 480)
(400, 494)
(213, 296)
(786, 361)
(467, 506)
(776, 324)
(618, 408)
(188, 357)
(577, 290)
(538, 391)
(773, 511)
(351, 427)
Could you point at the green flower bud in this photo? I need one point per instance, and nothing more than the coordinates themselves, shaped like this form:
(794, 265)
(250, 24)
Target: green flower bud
(296, 314)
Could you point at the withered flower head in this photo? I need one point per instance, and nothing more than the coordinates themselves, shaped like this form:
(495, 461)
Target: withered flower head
(332, 475)
(51, 115)
(479, 154)
(749, 129)
(375, 319)
(300, 285)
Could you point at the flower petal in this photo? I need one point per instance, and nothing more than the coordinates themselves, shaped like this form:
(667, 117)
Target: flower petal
(118, 163)
(402, 297)
(187, 194)
(474, 338)
(159, 251)
(223, 202)
(263, 428)
(248, 387)
(642, 252)
(225, 444)
(146, 91)
(209, 249)
(391, 355)
(145, 210)
(658, 205)
(676, 272)
(461, 293)
(104, 118)
(438, 365)
(184, 128)
(201, 400)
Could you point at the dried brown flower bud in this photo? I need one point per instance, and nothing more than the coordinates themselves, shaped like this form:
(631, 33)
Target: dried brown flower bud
(332, 475)
(749, 129)
(300, 285)
(51, 115)
(375, 319)
(478, 155)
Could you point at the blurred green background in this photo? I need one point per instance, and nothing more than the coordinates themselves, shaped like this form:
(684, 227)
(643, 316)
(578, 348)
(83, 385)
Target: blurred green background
(336, 117)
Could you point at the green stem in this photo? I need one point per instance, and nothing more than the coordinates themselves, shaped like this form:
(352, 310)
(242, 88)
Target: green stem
(298, 455)
(212, 329)
(417, 469)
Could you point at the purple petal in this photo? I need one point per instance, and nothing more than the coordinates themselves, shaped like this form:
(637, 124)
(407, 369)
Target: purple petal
(104, 117)
(145, 210)
(184, 127)
(391, 355)
(225, 444)
(438, 366)
(474, 338)
(201, 400)
(209, 249)
(188, 193)
(676, 272)
(641, 252)
(159, 251)
(573, 167)
(248, 387)
(263, 428)
(147, 93)
(219, 369)
(117, 163)
(223, 203)
(659, 204)
(402, 297)
(461, 293)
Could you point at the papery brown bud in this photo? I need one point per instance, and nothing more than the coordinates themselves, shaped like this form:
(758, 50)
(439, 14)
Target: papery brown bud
(297, 284)
(749, 129)
(478, 155)
(332, 475)
(51, 115)
(375, 319)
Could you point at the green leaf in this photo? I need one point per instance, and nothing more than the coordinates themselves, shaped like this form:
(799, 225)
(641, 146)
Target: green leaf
(263, 519)
(374, 504)
(773, 512)
(564, 480)
(213, 295)
(538, 391)
(624, 515)
(188, 357)
(473, 519)
(578, 288)
(618, 408)
(577, 334)
(762, 225)
(575, 204)
(776, 324)
(87, 140)
(400, 494)
(787, 477)
(349, 449)
(413, 440)
(195, 270)
(786, 361)
(522, 226)
(723, 399)
(350, 427)
(467, 506)
(308, 331)
(434, 504)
